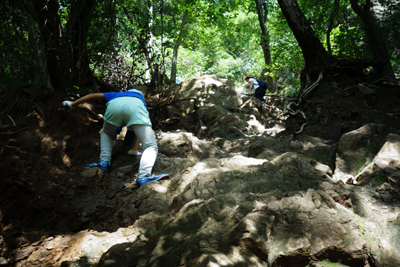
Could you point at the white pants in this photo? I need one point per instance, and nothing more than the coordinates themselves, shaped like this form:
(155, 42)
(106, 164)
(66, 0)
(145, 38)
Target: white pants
(146, 136)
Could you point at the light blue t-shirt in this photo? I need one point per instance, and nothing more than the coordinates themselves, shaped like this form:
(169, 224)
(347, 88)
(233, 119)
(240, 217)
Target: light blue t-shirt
(255, 83)
(126, 108)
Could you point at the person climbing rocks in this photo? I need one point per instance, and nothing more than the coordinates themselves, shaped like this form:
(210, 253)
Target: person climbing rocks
(125, 108)
(259, 88)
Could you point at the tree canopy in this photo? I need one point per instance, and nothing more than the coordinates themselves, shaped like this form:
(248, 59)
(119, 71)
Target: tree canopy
(73, 45)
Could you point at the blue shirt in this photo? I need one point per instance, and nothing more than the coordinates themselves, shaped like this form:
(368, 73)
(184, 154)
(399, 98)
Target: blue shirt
(113, 95)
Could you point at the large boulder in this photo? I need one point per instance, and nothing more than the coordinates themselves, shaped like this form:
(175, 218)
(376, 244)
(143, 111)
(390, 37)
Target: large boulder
(250, 212)
(356, 150)
(207, 91)
(231, 209)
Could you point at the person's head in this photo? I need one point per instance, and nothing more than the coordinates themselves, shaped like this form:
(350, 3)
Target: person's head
(248, 77)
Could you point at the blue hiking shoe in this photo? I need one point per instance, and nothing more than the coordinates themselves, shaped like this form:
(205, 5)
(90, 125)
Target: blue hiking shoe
(148, 179)
(101, 164)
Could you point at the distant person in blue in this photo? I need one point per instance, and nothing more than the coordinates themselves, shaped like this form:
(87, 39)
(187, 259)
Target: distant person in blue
(177, 80)
(125, 108)
(259, 92)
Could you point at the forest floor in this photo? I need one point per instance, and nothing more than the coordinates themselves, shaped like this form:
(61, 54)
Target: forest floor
(42, 155)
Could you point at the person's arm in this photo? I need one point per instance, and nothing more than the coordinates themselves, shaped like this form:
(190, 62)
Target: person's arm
(250, 87)
(89, 98)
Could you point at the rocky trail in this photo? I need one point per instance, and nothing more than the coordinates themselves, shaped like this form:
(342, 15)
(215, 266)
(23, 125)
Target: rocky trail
(243, 189)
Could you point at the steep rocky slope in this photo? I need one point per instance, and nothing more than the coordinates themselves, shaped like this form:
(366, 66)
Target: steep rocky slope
(243, 190)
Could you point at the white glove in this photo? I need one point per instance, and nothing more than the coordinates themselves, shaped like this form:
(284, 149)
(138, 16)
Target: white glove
(67, 103)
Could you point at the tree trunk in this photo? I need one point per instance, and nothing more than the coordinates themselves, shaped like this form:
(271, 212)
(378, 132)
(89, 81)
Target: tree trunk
(66, 52)
(148, 48)
(143, 15)
(41, 71)
(315, 56)
(262, 13)
(375, 40)
(330, 26)
(46, 15)
(76, 36)
(264, 32)
(176, 47)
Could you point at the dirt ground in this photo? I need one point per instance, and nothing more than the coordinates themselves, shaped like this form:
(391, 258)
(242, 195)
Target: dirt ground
(41, 155)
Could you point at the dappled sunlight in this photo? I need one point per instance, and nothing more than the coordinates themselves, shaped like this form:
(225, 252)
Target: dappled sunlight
(390, 151)
(177, 236)
(160, 188)
(240, 161)
(295, 244)
(227, 222)
(245, 200)
(235, 255)
(253, 122)
(241, 90)
(245, 103)
(215, 260)
(274, 130)
(92, 244)
(199, 168)
(211, 80)
(160, 246)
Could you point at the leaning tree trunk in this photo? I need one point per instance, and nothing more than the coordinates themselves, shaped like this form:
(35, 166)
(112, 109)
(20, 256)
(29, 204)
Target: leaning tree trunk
(375, 40)
(46, 14)
(262, 18)
(77, 57)
(41, 70)
(176, 47)
(315, 56)
(330, 26)
(143, 15)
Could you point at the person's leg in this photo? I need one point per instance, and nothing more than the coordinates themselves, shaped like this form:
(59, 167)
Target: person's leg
(135, 146)
(106, 145)
(134, 151)
(259, 94)
(106, 141)
(146, 135)
(129, 139)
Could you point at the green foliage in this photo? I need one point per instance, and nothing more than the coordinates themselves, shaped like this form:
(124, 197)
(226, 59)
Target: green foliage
(328, 263)
(228, 49)
(390, 25)
(286, 53)
(127, 38)
(341, 45)
(380, 180)
(361, 162)
(16, 51)
(191, 64)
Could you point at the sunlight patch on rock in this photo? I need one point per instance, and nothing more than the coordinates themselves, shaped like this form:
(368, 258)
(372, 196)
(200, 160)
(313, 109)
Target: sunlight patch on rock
(160, 188)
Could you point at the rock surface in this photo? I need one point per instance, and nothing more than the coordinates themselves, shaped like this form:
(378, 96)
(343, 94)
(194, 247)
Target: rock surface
(241, 192)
